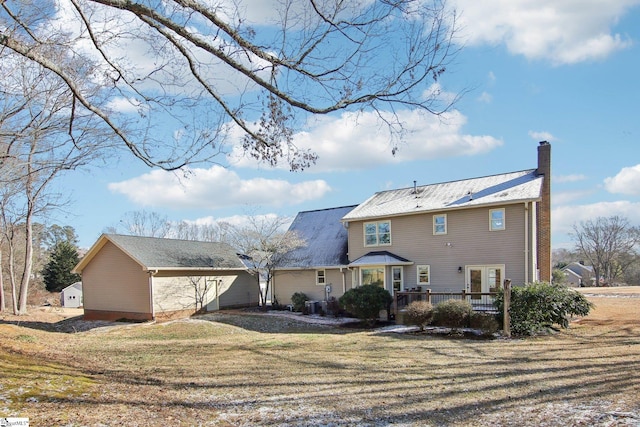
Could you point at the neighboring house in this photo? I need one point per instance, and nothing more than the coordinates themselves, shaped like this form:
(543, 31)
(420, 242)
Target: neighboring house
(320, 268)
(577, 275)
(71, 296)
(461, 235)
(144, 278)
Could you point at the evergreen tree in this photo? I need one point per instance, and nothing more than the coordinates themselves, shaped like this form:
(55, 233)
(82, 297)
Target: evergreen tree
(57, 273)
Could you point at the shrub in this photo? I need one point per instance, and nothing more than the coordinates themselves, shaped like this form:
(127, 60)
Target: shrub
(541, 305)
(298, 301)
(333, 307)
(452, 313)
(365, 302)
(484, 321)
(418, 313)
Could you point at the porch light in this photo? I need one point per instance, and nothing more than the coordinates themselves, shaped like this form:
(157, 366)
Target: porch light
(459, 269)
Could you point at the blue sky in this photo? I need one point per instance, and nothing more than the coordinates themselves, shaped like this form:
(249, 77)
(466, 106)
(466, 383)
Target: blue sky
(562, 71)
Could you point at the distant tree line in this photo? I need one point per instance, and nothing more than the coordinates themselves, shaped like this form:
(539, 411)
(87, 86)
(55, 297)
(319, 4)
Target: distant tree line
(610, 245)
(54, 254)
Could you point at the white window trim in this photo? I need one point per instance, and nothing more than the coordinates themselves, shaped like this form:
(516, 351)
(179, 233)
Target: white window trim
(364, 233)
(504, 220)
(435, 233)
(324, 277)
(418, 282)
(401, 277)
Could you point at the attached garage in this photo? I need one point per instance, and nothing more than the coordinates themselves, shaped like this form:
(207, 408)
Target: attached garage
(145, 278)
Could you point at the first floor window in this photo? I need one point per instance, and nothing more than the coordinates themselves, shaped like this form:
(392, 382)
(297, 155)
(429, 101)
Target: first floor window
(496, 219)
(423, 274)
(372, 276)
(320, 277)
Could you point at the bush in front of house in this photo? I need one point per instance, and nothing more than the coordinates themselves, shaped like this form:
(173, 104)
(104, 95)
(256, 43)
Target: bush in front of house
(452, 313)
(418, 313)
(366, 302)
(486, 322)
(333, 307)
(298, 301)
(541, 305)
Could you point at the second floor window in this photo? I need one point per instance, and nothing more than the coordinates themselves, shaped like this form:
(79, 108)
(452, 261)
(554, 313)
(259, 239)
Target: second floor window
(496, 219)
(377, 233)
(440, 224)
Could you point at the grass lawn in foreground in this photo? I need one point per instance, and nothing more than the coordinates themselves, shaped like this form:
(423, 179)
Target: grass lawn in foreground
(227, 369)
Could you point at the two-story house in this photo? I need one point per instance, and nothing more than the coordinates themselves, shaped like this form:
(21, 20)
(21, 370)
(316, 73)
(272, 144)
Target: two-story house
(448, 237)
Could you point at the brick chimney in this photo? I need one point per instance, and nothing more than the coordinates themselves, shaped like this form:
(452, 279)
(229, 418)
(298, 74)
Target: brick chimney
(544, 212)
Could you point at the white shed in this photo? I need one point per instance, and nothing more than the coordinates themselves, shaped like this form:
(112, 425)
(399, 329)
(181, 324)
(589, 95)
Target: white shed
(71, 296)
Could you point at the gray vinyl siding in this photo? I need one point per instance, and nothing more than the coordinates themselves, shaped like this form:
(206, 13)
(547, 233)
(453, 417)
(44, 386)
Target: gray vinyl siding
(124, 288)
(288, 282)
(468, 242)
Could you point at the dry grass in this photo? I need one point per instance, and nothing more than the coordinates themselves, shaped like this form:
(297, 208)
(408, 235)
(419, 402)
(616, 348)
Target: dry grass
(229, 369)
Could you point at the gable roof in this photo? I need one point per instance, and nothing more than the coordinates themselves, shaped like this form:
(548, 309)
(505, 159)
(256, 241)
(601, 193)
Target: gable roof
(325, 236)
(578, 269)
(380, 258)
(76, 286)
(169, 254)
(500, 189)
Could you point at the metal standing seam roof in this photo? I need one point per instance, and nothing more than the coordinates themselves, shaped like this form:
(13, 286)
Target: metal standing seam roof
(325, 237)
(489, 190)
(172, 254)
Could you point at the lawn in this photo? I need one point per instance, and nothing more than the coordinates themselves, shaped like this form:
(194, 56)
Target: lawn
(228, 369)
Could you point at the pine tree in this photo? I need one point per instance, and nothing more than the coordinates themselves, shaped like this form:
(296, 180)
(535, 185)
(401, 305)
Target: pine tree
(57, 273)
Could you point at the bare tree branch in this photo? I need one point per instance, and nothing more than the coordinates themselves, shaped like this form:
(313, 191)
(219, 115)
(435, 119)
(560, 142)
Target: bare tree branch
(187, 57)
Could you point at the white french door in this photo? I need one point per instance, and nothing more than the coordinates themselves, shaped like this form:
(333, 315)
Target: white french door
(483, 279)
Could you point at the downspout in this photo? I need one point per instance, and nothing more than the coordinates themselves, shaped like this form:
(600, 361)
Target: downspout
(534, 243)
(153, 310)
(526, 242)
(344, 280)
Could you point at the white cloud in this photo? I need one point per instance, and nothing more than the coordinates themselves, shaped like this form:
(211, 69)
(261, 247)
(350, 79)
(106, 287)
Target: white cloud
(485, 97)
(541, 136)
(239, 220)
(126, 105)
(625, 182)
(569, 178)
(564, 32)
(565, 197)
(564, 217)
(361, 140)
(215, 188)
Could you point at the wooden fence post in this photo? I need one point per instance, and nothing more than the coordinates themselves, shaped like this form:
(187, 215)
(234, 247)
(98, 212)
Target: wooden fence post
(507, 304)
(429, 296)
(395, 303)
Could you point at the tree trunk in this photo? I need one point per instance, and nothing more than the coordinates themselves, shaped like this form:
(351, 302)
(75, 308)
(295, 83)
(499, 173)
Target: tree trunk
(28, 264)
(12, 279)
(3, 304)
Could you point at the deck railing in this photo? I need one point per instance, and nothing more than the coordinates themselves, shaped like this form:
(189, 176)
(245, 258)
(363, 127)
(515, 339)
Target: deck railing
(480, 301)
